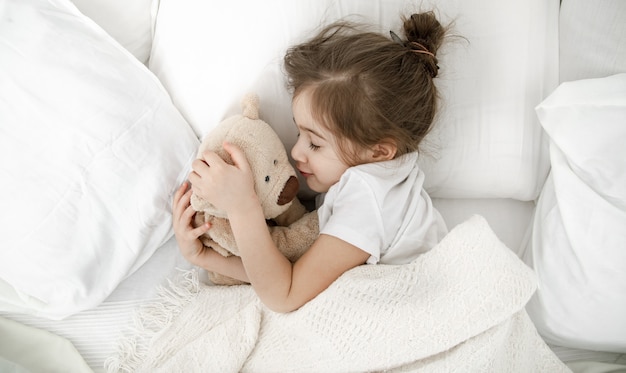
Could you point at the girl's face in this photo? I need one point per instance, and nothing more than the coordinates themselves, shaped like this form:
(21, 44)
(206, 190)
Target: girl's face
(315, 152)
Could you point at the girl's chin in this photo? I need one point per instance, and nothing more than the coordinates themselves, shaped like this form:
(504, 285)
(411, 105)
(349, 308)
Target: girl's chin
(316, 187)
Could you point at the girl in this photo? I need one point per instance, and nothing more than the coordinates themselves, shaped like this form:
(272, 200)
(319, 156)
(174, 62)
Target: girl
(362, 103)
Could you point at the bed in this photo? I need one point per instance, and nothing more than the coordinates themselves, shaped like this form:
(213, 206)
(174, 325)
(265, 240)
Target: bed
(102, 104)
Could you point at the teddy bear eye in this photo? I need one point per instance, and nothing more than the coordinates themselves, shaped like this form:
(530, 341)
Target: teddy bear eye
(267, 179)
(275, 161)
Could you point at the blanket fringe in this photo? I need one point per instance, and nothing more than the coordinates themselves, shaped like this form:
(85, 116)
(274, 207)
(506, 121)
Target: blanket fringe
(151, 319)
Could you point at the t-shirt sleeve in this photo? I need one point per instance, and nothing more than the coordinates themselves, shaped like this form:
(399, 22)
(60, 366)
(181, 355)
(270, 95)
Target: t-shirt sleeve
(356, 217)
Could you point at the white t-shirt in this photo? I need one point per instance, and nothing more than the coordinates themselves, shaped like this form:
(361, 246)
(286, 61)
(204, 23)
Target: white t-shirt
(382, 209)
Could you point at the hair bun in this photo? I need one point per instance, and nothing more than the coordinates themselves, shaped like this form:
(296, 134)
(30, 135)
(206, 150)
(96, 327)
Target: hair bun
(424, 36)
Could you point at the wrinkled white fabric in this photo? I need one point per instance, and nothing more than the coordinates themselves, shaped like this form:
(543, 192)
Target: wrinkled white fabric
(26, 349)
(91, 152)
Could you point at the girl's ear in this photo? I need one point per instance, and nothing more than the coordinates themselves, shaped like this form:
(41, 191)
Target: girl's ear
(384, 151)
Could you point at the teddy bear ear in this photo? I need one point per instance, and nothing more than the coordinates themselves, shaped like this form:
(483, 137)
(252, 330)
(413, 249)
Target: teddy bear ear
(250, 106)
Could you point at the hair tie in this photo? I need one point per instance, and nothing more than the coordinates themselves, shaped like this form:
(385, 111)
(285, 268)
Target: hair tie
(421, 49)
(418, 48)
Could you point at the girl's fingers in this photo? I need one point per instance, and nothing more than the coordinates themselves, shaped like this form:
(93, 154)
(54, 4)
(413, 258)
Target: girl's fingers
(199, 167)
(237, 155)
(199, 231)
(179, 192)
(181, 206)
(187, 215)
(193, 177)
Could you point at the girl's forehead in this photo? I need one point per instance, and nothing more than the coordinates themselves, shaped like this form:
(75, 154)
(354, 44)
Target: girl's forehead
(305, 119)
(302, 99)
(303, 113)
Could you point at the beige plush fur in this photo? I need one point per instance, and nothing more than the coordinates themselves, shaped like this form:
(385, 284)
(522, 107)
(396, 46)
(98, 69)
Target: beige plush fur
(292, 228)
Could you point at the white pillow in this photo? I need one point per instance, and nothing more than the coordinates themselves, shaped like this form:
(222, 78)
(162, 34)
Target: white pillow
(129, 22)
(91, 149)
(592, 41)
(488, 143)
(578, 247)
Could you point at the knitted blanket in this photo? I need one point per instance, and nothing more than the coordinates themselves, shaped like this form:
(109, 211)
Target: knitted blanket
(459, 307)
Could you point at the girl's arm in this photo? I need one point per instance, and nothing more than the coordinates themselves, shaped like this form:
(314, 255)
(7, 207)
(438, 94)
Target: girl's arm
(230, 266)
(281, 285)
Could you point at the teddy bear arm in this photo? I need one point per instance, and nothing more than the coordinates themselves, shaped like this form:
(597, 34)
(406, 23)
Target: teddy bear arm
(295, 211)
(219, 279)
(296, 238)
(223, 236)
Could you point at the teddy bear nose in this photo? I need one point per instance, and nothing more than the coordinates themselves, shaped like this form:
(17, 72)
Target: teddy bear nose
(289, 191)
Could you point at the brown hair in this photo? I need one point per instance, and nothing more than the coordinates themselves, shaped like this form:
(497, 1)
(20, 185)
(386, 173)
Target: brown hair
(368, 88)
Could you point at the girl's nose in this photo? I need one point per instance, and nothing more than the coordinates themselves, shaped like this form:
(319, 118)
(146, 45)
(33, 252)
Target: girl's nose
(295, 152)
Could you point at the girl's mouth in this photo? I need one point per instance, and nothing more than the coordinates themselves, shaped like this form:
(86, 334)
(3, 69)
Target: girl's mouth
(304, 174)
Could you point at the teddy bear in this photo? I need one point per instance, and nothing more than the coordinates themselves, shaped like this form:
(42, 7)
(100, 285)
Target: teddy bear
(292, 228)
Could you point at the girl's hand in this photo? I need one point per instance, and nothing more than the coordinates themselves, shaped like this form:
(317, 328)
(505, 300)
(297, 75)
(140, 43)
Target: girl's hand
(189, 242)
(229, 188)
(186, 235)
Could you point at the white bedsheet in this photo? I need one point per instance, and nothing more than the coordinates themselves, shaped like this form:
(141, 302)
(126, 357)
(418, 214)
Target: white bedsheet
(509, 218)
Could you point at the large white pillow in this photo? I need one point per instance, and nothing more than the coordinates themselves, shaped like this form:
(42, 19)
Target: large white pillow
(91, 149)
(578, 246)
(488, 143)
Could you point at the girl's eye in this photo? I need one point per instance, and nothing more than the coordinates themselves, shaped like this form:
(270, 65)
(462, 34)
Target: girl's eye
(313, 147)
